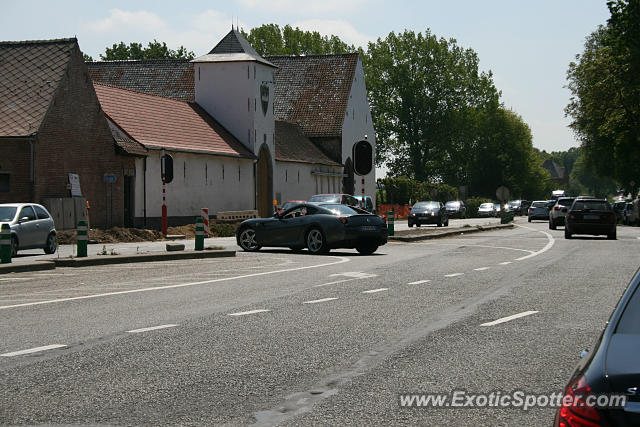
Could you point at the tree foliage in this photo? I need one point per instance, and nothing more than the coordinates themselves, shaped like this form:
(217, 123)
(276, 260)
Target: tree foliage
(136, 51)
(605, 102)
(270, 39)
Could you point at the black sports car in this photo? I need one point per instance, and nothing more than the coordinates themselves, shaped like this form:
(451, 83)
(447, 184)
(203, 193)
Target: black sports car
(318, 227)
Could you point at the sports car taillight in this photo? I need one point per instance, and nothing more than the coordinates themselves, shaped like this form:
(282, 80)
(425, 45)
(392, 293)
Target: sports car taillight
(343, 219)
(574, 410)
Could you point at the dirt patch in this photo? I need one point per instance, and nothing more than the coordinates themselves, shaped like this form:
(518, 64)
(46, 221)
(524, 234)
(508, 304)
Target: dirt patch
(126, 235)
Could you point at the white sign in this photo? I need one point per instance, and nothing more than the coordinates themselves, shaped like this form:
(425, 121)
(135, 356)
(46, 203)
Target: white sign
(74, 180)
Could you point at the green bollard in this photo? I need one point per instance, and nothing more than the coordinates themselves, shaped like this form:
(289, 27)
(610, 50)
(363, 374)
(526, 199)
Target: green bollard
(390, 223)
(5, 244)
(199, 234)
(82, 239)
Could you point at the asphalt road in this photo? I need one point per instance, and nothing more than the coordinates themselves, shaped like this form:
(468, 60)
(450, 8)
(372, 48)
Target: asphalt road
(280, 338)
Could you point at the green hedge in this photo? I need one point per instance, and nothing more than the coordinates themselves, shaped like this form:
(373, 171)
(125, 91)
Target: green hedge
(402, 190)
(473, 203)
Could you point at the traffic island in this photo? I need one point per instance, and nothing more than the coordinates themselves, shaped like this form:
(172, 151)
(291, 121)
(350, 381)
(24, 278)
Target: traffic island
(147, 257)
(426, 234)
(18, 267)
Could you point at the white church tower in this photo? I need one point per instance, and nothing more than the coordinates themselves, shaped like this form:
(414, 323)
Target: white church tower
(234, 84)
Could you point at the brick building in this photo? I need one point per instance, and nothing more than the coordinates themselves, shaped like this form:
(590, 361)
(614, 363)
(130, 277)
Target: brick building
(52, 125)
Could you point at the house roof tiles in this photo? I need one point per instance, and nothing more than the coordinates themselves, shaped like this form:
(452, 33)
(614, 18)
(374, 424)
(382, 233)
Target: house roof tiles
(293, 146)
(30, 72)
(158, 122)
(233, 47)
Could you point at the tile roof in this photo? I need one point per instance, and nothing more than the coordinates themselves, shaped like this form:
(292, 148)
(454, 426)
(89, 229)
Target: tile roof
(293, 146)
(30, 72)
(158, 122)
(171, 78)
(313, 91)
(125, 142)
(233, 47)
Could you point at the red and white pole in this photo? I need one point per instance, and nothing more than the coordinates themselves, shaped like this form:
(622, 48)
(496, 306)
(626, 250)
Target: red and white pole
(164, 199)
(205, 219)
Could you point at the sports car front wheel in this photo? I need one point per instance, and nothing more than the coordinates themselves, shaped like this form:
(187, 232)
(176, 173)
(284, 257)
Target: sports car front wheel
(316, 242)
(248, 240)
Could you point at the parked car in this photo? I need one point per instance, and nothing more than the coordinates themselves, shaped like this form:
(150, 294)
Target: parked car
(345, 199)
(31, 225)
(428, 213)
(539, 209)
(618, 208)
(519, 207)
(590, 216)
(610, 368)
(366, 203)
(318, 227)
(456, 209)
(498, 207)
(558, 212)
(486, 210)
(628, 212)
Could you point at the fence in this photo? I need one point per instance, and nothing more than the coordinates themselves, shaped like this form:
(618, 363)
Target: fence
(67, 211)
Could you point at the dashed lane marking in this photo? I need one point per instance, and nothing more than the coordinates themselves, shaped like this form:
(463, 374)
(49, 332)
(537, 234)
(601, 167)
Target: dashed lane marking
(418, 282)
(505, 263)
(319, 300)
(152, 328)
(373, 291)
(453, 275)
(33, 350)
(245, 313)
(509, 318)
(481, 269)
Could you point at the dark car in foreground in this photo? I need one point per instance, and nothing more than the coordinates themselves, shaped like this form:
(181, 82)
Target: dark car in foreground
(604, 389)
(456, 209)
(428, 213)
(317, 227)
(590, 216)
(31, 226)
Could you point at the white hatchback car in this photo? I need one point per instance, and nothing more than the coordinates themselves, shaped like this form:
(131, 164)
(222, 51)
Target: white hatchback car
(31, 225)
(558, 212)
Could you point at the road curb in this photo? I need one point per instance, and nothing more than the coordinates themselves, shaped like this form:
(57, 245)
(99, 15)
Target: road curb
(32, 266)
(441, 234)
(150, 257)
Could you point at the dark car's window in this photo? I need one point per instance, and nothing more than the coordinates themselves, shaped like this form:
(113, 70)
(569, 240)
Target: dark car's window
(341, 209)
(42, 214)
(325, 199)
(580, 205)
(453, 205)
(7, 213)
(487, 206)
(630, 319)
(427, 205)
(303, 210)
(28, 212)
(539, 204)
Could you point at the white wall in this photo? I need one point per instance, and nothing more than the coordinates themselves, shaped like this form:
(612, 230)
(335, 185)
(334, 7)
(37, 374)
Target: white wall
(198, 182)
(295, 181)
(357, 124)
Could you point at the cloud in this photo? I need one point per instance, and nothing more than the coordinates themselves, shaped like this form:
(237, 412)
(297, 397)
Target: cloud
(287, 7)
(124, 21)
(342, 29)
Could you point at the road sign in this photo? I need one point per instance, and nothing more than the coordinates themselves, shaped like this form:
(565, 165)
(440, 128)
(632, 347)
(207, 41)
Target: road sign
(502, 193)
(109, 178)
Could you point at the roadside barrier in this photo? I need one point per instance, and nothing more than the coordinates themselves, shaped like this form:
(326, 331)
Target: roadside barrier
(506, 217)
(82, 239)
(199, 234)
(5, 244)
(390, 223)
(205, 218)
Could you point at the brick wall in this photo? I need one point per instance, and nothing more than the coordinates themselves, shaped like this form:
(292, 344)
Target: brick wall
(75, 138)
(15, 159)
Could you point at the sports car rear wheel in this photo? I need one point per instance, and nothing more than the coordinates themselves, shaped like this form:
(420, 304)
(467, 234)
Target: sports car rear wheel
(367, 248)
(316, 243)
(248, 240)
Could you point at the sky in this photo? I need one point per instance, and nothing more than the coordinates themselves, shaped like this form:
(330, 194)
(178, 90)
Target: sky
(527, 45)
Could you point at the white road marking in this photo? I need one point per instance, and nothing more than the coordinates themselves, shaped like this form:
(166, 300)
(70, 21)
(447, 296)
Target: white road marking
(505, 263)
(477, 246)
(508, 318)
(319, 300)
(354, 274)
(481, 269)
(33, 350)
(5, 279)
(336, 282)
(244, 313)
(453, 275)
(180, 285)
(152, 328)
(548, 246)
(373, 291)
(418, 282)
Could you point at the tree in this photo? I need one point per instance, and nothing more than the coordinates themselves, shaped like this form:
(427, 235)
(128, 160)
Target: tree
(270, 39)
(427, 98)
(87, 58)
(605, 101)
(135, 51)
